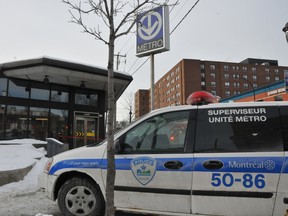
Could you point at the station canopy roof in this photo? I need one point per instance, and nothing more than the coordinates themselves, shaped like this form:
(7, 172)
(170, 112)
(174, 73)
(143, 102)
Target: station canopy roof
(65, 73)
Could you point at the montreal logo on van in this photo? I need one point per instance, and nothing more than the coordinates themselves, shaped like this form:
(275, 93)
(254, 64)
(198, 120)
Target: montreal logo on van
(268, 164)
(143, 169)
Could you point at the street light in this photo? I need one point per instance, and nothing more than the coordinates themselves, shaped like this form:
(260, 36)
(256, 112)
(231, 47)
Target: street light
(238, 77)
(285, 30)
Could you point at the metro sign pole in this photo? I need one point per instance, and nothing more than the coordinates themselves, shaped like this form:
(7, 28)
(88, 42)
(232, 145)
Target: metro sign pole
(153, 37)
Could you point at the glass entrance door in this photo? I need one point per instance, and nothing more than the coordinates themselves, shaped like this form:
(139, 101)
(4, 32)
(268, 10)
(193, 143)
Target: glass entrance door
(85, 131)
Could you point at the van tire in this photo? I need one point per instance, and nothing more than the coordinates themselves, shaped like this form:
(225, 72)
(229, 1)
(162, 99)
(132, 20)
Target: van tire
(81, 197)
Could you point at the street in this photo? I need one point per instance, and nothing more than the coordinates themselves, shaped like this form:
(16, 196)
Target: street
(32, 204)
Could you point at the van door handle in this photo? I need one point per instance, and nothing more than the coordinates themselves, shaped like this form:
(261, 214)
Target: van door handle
(213, 164)
(173, 165)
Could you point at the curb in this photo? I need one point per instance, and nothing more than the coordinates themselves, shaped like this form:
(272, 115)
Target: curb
(16, 175)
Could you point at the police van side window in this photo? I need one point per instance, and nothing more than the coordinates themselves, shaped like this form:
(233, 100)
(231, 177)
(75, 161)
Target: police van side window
(242, 129)
(163, 133)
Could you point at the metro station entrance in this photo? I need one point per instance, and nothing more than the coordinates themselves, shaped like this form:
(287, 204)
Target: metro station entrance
(86, 128)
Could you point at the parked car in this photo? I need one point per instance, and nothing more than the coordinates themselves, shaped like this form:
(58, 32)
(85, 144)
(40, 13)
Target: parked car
(209, 159)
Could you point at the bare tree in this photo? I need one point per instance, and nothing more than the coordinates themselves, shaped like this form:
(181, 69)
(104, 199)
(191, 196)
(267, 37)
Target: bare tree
(127, 105)
(126, 13)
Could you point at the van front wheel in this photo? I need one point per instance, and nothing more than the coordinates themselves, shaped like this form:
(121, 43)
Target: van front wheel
(80, 197)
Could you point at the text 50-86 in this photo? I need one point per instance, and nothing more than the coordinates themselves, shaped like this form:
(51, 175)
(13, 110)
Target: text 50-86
(247, 180)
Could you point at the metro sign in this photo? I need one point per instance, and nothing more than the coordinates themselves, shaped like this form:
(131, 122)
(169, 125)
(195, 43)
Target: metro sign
(153, 32)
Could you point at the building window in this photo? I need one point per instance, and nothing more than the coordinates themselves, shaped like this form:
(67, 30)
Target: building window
(202, 75)
(40, 94)
(3, 87)
(213, 84)
(226, 67)
(254, 77)
(236, 85)
(237, 92)
(245, 77)
(213, 75)
(267, 78)
(278, 98)
(202, 66)
(214, 92)
(38, 122)
(16, 122)
(267, 70)
(227, 93)
(276, 78)
(227, 84)
(86, 99)
(255, 85)
(276, 71)
(203, 83)
(226, 76)
(244, 69)
(58, 123)
(245, 85)
(253, 69)
(16, 90)
(212, 67)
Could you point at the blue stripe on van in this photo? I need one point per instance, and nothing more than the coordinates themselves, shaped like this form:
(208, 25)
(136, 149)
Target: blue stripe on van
(76, 164)
(231, 164)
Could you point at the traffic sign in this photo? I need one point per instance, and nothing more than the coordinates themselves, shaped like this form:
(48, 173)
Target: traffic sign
(153, 32)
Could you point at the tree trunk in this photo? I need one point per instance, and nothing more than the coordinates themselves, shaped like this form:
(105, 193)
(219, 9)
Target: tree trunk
(110, 178)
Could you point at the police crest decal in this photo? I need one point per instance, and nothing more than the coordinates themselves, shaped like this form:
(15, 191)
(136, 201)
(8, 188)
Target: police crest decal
(143, 169)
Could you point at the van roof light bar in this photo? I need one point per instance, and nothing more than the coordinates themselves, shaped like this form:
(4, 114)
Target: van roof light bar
(201, 98)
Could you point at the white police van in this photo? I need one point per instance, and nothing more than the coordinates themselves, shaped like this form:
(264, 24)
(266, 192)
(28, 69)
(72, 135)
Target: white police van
(214, 159)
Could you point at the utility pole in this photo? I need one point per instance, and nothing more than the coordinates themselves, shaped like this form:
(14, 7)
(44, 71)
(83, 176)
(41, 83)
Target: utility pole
(118, 57)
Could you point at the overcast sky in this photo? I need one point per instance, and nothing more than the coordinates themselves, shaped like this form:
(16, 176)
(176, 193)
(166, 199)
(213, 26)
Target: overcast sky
(222, 30)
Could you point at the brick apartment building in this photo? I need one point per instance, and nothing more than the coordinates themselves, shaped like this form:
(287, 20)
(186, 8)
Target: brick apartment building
(142, 102)
(276, 91)
(224, 79)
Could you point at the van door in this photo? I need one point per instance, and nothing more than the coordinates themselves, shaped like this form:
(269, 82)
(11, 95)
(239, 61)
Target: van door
(281, 205)
(238, 160)
(153, 171)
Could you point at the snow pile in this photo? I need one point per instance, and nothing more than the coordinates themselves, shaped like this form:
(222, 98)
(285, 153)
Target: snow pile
(17, 154)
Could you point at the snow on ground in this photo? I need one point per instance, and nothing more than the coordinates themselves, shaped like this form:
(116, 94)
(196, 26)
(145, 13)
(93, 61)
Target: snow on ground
(24, 198)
